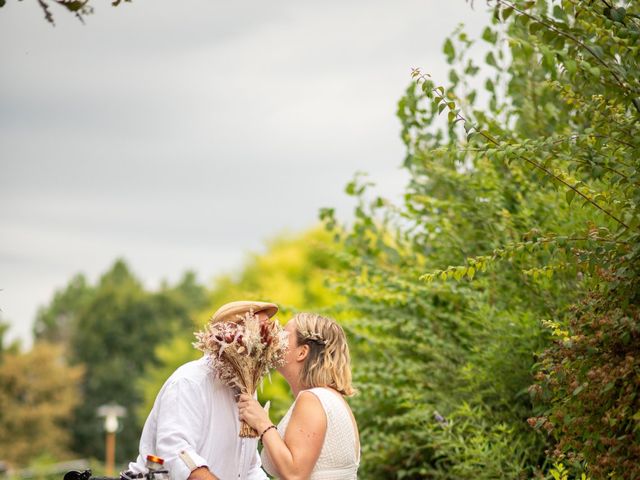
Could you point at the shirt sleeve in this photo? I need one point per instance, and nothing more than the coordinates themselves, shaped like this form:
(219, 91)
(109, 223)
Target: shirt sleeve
(180, 427)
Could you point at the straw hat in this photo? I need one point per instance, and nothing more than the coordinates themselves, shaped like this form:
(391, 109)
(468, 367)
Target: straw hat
(228, 311)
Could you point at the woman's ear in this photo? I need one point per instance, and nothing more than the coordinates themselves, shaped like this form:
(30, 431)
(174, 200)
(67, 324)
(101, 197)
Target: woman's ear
(303, 352)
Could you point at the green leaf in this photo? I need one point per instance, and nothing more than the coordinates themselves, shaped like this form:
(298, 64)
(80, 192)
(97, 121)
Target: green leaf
(535, 27)
(569, 196)
(559, 13)
(491, 60)
(489, 85)
(618, 14)
(571, 66)
(489, 35)
(74, 6)
(449, 50)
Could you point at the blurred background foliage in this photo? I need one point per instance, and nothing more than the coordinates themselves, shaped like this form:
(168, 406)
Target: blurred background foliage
(291, 272)
(117, 342)
(493, 314)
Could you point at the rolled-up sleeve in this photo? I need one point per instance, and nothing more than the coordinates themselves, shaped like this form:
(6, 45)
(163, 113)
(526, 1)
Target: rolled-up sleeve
(180, 420)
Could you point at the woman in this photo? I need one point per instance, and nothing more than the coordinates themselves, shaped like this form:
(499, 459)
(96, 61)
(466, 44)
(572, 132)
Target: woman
(318, 437)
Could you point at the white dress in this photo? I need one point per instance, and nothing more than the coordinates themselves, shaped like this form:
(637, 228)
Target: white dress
(340, 455)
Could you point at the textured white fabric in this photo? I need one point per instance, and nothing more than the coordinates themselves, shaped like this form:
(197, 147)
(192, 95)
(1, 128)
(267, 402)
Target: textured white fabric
(340, 455)
(196, 413)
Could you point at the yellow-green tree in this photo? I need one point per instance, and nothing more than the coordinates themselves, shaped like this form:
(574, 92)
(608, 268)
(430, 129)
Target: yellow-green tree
(292, 273)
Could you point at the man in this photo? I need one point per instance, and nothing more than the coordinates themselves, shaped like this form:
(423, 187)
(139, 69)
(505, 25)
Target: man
(194, 423)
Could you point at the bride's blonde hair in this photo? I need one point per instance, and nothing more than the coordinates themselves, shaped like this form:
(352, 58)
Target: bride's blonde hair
(328, 363)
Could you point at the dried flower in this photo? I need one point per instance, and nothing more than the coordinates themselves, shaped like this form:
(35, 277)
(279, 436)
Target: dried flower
(242, 352)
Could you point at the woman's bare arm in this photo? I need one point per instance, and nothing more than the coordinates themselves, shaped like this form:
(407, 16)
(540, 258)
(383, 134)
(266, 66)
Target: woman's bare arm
(296, 455)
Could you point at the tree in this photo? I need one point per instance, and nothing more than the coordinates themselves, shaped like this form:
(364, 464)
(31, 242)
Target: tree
(12, 347)
(38, 392)
(56, 322)
(113, 329)
(291, 272)
(519, 232)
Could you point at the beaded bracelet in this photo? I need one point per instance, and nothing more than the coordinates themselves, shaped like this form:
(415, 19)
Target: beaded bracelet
(267, 429)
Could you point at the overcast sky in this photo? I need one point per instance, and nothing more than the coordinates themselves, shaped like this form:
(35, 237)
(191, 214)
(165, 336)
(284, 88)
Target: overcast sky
(183, 134)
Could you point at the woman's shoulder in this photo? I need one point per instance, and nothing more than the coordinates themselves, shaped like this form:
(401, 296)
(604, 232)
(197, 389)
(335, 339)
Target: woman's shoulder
(309, 408)
(327, 396)
(308, 415)
(309, 400)
(328, 400)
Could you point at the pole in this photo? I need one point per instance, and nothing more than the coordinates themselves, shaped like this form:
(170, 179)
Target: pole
(110, 453)
(110, 412)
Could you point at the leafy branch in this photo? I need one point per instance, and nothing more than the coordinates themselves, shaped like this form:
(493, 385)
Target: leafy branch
(577, 41)
(482, 262)
(455, 116)
(79, 8)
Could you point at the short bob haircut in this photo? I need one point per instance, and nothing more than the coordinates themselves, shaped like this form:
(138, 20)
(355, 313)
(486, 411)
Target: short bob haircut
(328, 363)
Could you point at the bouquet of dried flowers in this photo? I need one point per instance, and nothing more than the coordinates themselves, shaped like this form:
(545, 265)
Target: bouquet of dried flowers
(242, 351)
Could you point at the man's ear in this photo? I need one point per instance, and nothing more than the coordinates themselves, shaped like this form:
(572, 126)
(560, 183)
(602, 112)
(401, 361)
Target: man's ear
(303, 352)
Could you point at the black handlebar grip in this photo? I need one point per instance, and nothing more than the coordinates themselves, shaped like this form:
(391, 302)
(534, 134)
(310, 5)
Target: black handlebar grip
(76, 475)
(86, 475)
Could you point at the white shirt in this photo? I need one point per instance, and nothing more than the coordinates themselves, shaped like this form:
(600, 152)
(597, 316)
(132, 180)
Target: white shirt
(196, 413)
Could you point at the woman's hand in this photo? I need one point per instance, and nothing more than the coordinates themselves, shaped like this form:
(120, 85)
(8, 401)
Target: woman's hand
(252, 412)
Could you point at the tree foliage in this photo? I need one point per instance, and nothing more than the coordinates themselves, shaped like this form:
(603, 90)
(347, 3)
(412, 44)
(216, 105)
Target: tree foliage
(56, 322)
(113, 329)
(38, 393)
(520, 221)
(291, 272)
(6, 347)
(130, 340)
